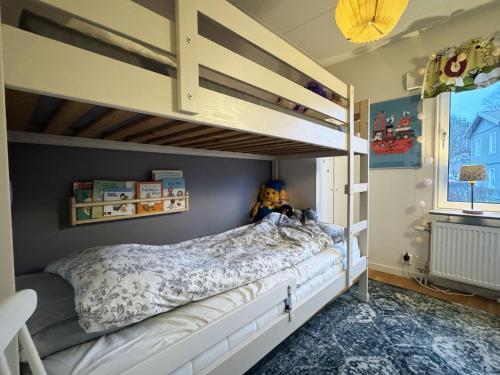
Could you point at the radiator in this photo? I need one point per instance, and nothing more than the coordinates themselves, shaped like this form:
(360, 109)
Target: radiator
(466, 253)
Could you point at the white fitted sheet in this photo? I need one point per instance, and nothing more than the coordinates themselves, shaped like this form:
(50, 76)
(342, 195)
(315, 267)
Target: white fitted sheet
(121, 350)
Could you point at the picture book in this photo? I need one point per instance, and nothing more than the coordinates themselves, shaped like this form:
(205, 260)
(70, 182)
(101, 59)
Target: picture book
(119, 209)
(99, 186)
(161, 174)
(83, 196)
(86, 185)
(174, 187)
(149, 190)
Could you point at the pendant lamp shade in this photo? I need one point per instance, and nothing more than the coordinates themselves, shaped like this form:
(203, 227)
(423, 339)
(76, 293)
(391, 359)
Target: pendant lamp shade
(364, 21)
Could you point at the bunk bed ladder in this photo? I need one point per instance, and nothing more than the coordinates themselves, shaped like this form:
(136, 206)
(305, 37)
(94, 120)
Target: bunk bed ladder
(358, 270)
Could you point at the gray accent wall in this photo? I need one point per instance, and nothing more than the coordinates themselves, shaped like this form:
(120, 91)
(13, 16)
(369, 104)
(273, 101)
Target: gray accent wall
(300, 178)
(222, 193)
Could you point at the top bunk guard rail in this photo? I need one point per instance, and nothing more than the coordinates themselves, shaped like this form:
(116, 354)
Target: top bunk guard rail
(41, 65)
(192, 49)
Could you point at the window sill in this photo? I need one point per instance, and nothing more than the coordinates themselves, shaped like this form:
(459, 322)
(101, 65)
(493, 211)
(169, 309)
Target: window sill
(495, 215)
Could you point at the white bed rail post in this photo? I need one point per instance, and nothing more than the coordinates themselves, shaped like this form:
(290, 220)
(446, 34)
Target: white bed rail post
(364, 170)
(6, 248)
(350, 183)
(362, 226)
(188, 76)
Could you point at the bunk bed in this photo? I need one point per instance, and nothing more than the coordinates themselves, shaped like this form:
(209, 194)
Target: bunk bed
(171, 90)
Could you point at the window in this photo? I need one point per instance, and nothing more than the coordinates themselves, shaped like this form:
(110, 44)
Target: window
(493, 143)
(467, 122)
(477, 148)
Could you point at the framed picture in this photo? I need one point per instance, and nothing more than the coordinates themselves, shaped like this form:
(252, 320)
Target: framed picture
(394, 128)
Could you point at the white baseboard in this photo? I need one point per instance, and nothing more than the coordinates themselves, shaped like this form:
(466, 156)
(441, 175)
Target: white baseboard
(387, 269)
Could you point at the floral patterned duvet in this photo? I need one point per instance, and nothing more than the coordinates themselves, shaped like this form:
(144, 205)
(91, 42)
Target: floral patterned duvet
(119, 285)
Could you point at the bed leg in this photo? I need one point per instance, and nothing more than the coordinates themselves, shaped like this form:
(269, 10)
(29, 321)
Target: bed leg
(363, 287)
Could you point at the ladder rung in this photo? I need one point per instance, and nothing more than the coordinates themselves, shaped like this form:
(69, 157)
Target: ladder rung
(360, 146)
(357, 188)
(358, 227)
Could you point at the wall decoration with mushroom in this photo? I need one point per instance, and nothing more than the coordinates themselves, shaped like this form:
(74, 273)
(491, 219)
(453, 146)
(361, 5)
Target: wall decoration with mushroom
(472, 65)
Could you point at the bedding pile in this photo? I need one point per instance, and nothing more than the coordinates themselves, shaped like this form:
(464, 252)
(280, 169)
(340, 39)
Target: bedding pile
(116, 286)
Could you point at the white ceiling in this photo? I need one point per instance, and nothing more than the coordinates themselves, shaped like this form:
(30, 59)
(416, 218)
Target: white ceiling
(310, 24)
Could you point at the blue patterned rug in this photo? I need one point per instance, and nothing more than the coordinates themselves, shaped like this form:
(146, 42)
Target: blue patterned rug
(397, 332)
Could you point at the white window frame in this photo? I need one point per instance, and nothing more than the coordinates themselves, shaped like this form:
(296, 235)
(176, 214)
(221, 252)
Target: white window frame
(477, 147)
(441, 145)
(492, 178)
(492, 144)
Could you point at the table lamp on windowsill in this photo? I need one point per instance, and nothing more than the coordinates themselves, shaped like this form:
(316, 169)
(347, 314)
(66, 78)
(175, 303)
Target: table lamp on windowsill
(472, 174)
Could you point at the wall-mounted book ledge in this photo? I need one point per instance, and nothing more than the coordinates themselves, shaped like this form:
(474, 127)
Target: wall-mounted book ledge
(120, 209)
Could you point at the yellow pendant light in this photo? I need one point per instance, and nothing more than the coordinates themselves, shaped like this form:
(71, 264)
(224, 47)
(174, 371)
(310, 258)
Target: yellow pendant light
(364, 21)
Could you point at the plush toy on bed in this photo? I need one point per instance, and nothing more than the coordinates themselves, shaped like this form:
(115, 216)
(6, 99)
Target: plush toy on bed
(272, 197)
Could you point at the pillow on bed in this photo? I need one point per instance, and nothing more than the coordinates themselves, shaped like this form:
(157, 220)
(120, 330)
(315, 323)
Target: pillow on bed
(54, 324)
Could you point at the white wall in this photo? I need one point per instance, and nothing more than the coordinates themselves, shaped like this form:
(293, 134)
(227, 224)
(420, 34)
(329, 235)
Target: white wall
(379, 76)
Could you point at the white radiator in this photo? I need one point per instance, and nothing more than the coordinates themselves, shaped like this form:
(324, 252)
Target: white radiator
(466, 253)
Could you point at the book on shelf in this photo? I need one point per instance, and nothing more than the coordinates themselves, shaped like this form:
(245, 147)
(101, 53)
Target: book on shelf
(83, 196)
(119, 209)
(174, 187)
(99, 186)
(161, 174)
(149, 189)
(81, 185)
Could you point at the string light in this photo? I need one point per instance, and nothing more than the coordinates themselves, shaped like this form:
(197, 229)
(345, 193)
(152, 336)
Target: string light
(421, 71)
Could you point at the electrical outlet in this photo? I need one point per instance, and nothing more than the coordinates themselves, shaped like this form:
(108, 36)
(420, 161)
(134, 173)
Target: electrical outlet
(407, 258)
(409, 261)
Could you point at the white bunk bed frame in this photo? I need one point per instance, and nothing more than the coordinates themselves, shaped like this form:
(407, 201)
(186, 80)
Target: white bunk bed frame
(38, 65)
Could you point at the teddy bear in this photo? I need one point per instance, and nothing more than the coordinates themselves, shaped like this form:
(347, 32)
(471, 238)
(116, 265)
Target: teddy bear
(272, 197)
(268, 200)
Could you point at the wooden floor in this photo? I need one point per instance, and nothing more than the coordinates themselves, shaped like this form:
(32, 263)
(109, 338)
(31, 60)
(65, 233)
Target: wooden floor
(406, 283)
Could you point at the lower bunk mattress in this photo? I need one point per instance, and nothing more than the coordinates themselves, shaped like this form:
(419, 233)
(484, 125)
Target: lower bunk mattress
(116, 352)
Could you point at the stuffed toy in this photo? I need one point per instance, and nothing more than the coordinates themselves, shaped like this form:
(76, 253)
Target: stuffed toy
(283, 197)
(285, 209)
(272, 196)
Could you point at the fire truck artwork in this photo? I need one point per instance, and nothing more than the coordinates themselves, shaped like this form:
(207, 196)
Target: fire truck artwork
(391, 137)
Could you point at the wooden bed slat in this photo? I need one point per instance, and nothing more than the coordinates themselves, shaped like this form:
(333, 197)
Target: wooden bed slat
(170, 128)
(66, 115)
(19, 108)
(269, 148)
(259, 142)
(226, 141)
(139, 126)
(220, 134)
(256, 139)
(185, 134)
(106, 121)
(294, 151)
(273, 145)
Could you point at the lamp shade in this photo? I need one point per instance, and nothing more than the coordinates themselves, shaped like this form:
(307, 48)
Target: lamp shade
(472, 173)
(363, 21)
